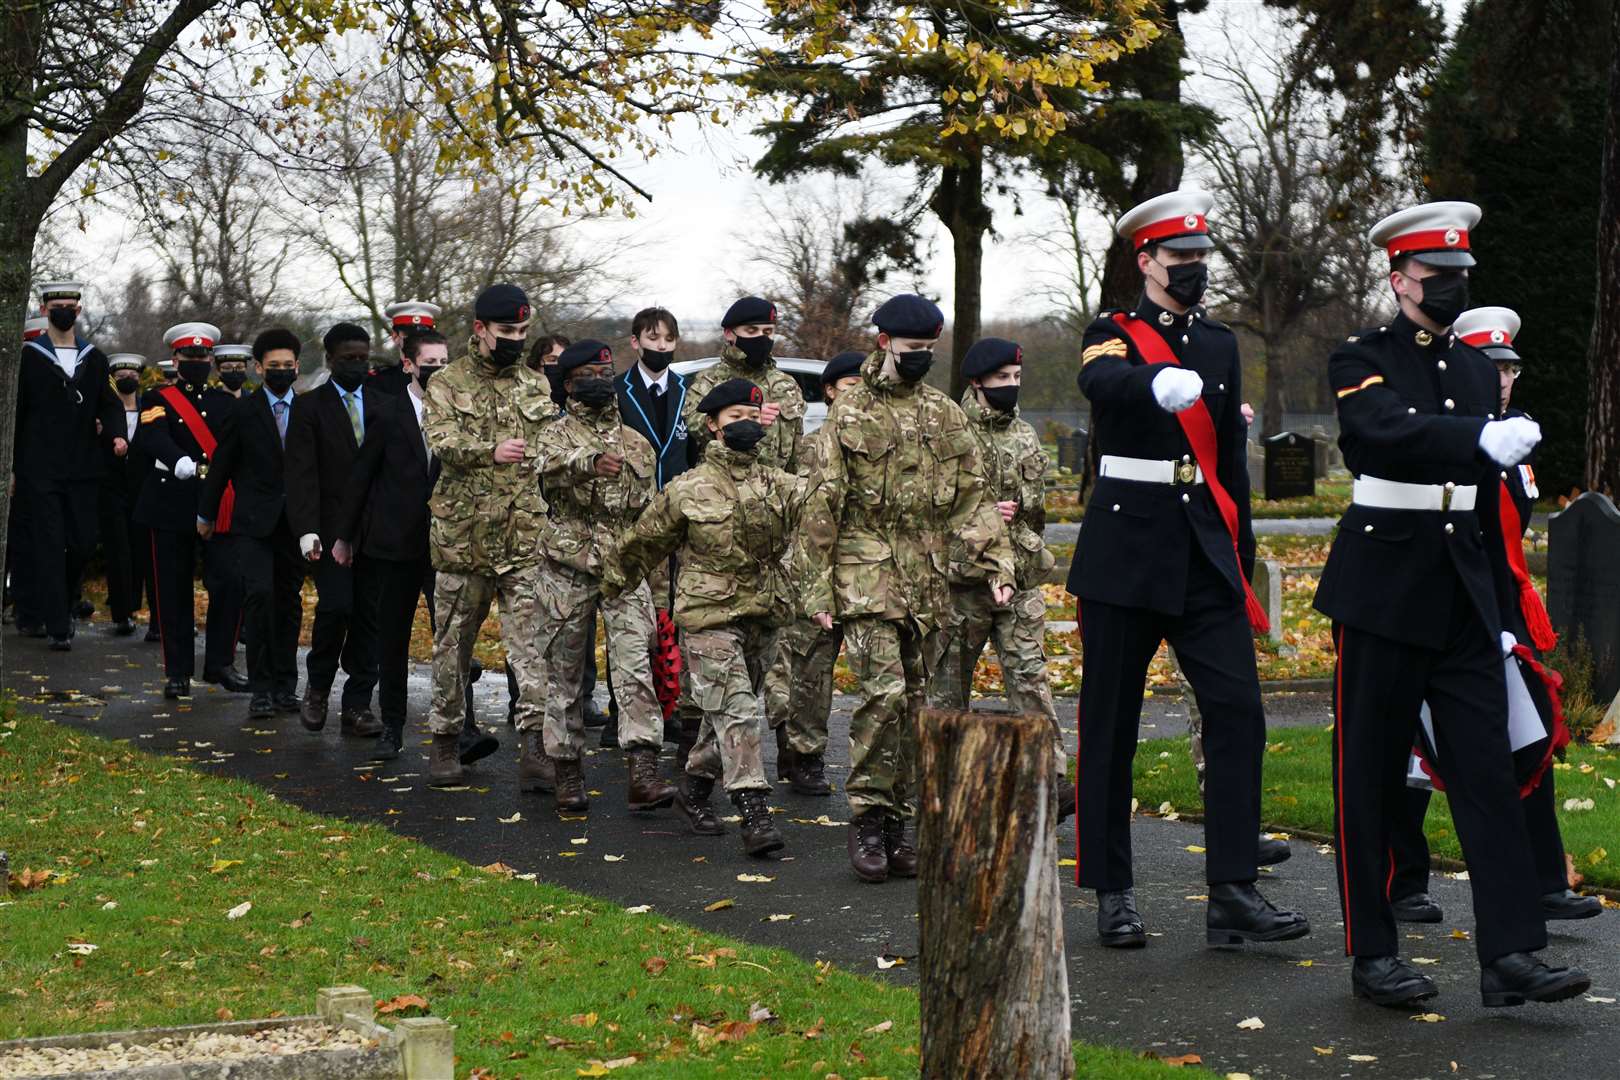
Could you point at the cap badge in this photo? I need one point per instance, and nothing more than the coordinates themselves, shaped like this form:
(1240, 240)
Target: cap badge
(522, 312)
(756, 396)
(1452, 236)
(1191, 221)
(1497, 337)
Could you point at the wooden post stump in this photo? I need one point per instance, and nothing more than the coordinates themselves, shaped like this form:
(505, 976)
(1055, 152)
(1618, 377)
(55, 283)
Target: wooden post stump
(995, 984)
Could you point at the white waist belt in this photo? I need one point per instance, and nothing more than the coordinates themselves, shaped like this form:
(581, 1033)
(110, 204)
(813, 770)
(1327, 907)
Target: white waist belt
(1150, 470)
(1394, 495)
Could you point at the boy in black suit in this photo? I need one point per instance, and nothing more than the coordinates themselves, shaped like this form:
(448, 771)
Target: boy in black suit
(324, 436)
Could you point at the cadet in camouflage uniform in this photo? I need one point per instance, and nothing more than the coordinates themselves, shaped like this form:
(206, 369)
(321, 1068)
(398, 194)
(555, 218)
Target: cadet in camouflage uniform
(731, 518)
(485, 412)
(1015, 468)
(798, 689)
(902, 485)
(597, 474)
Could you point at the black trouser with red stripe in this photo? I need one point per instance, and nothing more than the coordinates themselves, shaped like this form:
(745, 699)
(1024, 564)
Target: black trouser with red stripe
(1379, 687)
(1213, 641)
(222, 577)
(174, 565)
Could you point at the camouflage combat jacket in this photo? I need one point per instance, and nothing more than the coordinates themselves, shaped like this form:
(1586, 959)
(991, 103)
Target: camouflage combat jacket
(813, 452)
(586, 511)
(731, 519)
(1015, 470)
(901, 487)
(485, 518)
(780, 447)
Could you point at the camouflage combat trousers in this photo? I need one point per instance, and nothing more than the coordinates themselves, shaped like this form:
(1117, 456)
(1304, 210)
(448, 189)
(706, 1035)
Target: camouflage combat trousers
(461, 601)
(890, 660)
(726, 673)
(567, 598)
(1019, 633)
(802, 700)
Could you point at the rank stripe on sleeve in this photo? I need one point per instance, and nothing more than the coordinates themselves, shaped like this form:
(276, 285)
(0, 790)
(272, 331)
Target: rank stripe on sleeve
(1111, 347)
(154, 413)
(1371, 380)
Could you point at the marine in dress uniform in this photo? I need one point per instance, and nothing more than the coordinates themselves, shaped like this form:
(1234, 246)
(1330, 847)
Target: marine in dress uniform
(405, 317)
(178, 430)
(63, 393)
(1415, 599)
(1165, 555)
(125, 546)
(1492, 330)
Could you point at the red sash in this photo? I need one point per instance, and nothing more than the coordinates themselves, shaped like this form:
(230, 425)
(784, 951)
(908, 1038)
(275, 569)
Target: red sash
(1530, 605)
(1200, 431)
(206, 443)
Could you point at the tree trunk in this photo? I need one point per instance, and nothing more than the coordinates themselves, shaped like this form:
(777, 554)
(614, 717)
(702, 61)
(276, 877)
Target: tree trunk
(959, 203)
(1603, 359)
(19, 225)
(1276, 376)
(995, 984)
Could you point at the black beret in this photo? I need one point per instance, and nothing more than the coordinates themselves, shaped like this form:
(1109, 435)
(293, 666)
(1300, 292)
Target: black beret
(344, 331)
(584, 352)
(909, 315)
(842, 366)
(503, 303)
(990, 354)
(277, 337)
(749, 310)
(731, 392)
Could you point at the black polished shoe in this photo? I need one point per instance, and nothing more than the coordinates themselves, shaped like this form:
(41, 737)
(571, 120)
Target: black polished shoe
(1238, 913)
(1118, 924)
(153, 633)
(1519, 977)
(285, 701)
(389, 744)
(124, 628)
(1417, 908)
(260, 707)
(61, 644)
(28, 629)
(175, 689)
(228, 679)
(475, 744)
(1273, 851)
(1569, 905)
(1390, 981)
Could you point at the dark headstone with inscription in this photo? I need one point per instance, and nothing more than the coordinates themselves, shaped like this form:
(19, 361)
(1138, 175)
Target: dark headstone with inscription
(1071, 450)
(1290, 466)
(1583, 583)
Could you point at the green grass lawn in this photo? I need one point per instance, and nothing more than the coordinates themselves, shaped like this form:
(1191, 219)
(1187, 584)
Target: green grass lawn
(1298, 795)
(146, 857)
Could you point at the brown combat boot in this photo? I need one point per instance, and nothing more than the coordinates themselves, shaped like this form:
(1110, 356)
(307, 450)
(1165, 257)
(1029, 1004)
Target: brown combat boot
(536, 771)
(312, 710)
(902, 855)
(784, 754)
(360, 721)
(647, 789)
(808, 775)
(867, 852)
(571, 785)
(759, 836)
(444, 766)
(1065, 798)
(693, 803)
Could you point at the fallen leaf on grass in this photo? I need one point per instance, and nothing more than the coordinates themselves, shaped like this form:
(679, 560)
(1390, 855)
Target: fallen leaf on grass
(884, 963)
(754, 877)
(583, 1019)
(814, 1031)
(81, 948)
(499, 869)
(222, 865)
(1181, 1060)
(759, 1014)
(719, 905)
(639, 909)
(239, 910)
(401, 1003)
(878, 1029)
(654, 965)
(1253, 1023)
(1595, 856)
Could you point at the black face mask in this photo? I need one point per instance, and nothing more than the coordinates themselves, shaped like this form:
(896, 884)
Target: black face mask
(742, 436)
(657, 359)
(233, 380)
(1187, 282)
(63, 318)
(1001, 398)
(195, 372)
(1445, 296)
(506, 351)
(350, 374)
(914, 365)
(755, 350)
(279, 380)
(423, 374)
(593, 393)
(128, 384)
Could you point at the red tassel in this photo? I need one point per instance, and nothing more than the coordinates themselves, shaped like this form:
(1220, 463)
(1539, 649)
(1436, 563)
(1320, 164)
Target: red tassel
(1542, 635)
(1257, 614)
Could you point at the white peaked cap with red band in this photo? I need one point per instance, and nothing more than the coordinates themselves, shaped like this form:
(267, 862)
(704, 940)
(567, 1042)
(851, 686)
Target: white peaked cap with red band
(415, 313)
(1176, 219)
(35, 327)
(1435, 233)
(60, 290)
(188, 335)
(1489, 329)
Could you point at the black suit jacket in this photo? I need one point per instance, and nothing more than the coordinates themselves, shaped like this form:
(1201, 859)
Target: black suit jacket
(321, 452)
(167, 502)
(390, 380)
(123, 477)
(250, 457)
(1137, 537)
(385, 506)
(668, 439)
(56, 440)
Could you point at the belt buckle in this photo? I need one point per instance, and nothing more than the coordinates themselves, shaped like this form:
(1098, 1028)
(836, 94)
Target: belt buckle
(1446, 491)
(1186, 472)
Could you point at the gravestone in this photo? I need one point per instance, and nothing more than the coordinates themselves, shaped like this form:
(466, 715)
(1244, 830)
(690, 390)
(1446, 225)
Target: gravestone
(1267, 585)
(1583, 583)
(1071, 450)
(1290, 466)
(1257, 464)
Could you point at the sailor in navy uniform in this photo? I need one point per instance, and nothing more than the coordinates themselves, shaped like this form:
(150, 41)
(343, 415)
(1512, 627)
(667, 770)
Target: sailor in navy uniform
(1159, 560)
(1415, 599)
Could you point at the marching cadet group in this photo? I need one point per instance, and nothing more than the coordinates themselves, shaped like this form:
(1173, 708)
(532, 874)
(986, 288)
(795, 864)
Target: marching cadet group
(729, 557)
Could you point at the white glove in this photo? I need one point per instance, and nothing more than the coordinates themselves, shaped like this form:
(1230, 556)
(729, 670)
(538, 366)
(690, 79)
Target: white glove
(307, 543)
(1508, 641)
(1176, 388)
(185, 469)
(1508, 442)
